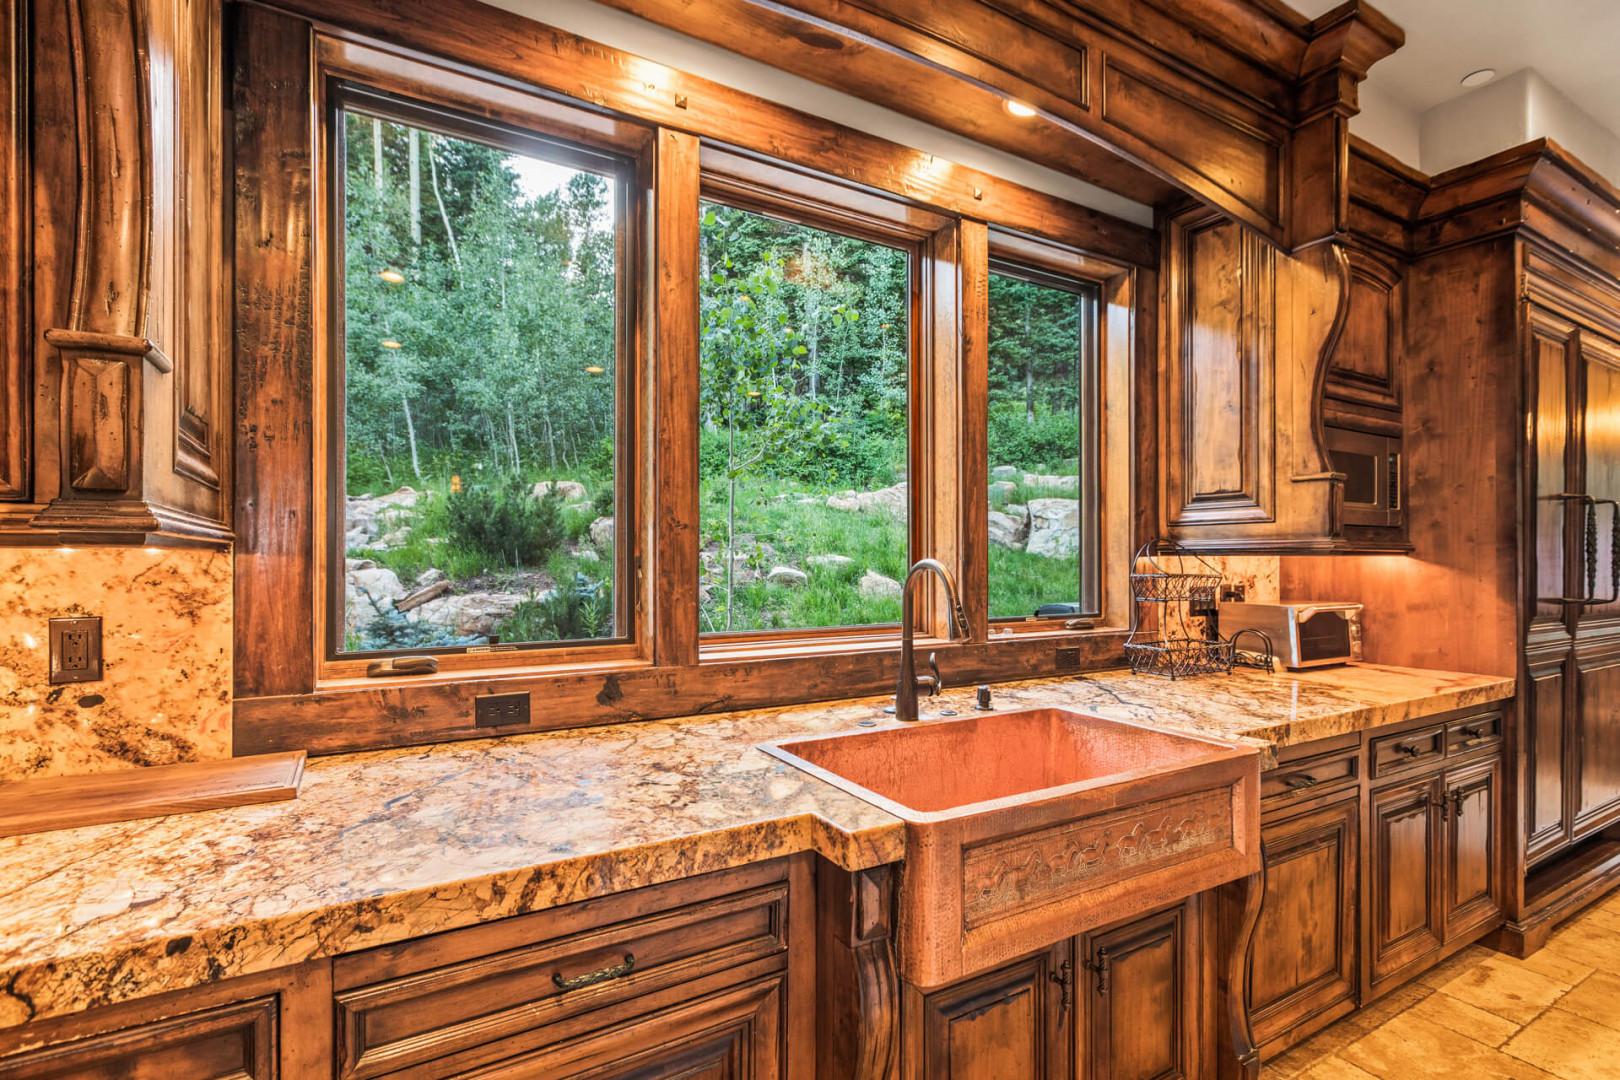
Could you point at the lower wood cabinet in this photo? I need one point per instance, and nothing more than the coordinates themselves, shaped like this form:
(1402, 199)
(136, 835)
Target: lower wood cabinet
(1013, 1021)
(1120, 1003)
(1302, 969)
(1435, 866)
(1141, 993)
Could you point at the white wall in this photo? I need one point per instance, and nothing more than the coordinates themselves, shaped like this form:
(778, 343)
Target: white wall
(1388, 125)
(635, 35)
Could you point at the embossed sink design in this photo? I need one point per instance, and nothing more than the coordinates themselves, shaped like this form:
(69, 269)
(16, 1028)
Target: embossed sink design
(1025, 827)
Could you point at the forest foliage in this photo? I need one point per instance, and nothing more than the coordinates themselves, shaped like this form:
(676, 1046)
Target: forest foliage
(481, 354)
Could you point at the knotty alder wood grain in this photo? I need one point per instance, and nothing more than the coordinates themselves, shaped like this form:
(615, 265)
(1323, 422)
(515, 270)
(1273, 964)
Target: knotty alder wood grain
(29, 806)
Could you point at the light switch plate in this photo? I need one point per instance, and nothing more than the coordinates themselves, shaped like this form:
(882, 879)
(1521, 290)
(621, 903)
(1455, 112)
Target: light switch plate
(75, 650)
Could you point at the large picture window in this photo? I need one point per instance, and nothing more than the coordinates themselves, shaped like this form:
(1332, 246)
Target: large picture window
(1042, 444)
(479, 288)
(804, 399)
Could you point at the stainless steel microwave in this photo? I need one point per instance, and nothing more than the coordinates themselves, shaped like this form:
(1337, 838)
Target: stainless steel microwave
(1303, 635)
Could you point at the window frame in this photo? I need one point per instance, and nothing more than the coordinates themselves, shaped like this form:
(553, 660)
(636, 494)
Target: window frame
(1088, 571)
(504, 67)
(405, 91)
(751, 182)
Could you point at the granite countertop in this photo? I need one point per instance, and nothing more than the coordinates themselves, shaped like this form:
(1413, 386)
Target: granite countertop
(384, 846)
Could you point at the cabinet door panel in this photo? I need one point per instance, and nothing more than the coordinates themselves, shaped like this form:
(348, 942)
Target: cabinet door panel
(1597, 745)
(1600, 464)
(1303, 962)
(1138, 984)
(1012, 1021)
(1407, 921)
(1544, 739)
(1473, 893)
(1552, 367)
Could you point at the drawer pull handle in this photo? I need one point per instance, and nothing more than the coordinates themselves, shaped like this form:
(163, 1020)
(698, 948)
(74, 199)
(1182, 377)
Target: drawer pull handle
(1477, 740)
(1303, 780)
(600, 975)
(1409, 749)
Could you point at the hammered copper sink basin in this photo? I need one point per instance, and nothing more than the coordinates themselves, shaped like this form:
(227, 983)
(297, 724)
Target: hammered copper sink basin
(1025, 827)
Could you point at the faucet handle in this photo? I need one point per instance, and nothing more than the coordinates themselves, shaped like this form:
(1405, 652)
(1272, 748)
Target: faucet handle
(931, 682)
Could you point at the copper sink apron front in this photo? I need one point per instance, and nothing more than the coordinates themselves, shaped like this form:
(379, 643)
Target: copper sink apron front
(1023, 828)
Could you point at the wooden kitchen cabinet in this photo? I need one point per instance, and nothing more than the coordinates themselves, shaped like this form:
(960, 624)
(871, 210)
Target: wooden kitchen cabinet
(1139, 985)
(1408, 923)
(1013, 1021)
(1472, 814)
(1302, 970)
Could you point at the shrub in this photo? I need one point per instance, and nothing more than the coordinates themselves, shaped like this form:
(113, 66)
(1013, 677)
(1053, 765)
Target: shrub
(503, 522)
(581, 611)
(1015, 440)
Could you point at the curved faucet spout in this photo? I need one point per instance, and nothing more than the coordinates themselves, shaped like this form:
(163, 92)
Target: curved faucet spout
(909, 682)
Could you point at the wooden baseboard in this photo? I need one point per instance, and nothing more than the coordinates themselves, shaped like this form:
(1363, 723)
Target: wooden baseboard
(68, 802)
(1558, 891)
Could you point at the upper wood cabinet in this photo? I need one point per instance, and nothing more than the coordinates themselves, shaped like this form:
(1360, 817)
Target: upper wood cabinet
(113, 413)
(1274, 371)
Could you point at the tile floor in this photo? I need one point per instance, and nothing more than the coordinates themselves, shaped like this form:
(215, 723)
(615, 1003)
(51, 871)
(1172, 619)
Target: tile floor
(1485, 1016)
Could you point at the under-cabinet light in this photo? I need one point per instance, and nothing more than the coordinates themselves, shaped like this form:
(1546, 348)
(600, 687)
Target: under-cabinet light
(1019, 109)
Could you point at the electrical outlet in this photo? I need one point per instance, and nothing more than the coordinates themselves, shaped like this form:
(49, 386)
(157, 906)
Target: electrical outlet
(501, 710)
(75, 650)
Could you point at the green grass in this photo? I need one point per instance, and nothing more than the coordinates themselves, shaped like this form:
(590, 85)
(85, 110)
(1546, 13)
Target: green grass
(873, 541)
(1021, 582)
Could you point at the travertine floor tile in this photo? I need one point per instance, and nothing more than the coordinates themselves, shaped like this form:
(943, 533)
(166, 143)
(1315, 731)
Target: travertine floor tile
(1561, 969)
(1465, 1019)
(1410, 1047)
(1569, 1046)
(1597, 999)
(1462, 1018)
(1502, 986)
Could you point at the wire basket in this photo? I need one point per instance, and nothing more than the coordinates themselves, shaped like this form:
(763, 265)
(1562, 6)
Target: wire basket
(1173, 631)
(1153, 583)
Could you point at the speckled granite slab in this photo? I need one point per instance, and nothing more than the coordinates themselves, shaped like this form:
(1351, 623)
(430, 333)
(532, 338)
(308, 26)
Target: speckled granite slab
(391, 845)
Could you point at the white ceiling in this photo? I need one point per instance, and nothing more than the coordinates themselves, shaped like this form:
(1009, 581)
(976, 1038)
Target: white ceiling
(1572, 44)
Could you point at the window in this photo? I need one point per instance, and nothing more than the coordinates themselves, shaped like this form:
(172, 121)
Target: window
(480, 339)
(1042, 443)
(804, 401)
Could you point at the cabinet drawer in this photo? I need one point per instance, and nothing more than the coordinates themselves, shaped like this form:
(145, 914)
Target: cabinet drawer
(1312, 776)
(448, 1018)
(1392, 753)
(1473, 733)
(233, 1042)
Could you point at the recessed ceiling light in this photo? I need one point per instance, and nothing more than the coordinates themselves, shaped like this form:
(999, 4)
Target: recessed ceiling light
(1478, 78)
(1019, 109)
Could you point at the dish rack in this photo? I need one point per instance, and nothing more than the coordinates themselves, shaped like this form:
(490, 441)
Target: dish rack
(1174, 596)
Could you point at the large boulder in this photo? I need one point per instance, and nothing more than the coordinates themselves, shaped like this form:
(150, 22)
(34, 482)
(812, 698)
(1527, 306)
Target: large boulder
(1005, 472)
(787, 577)
(829, 562)
(1007, 530)
(1049, 482)
(602, 532)
(572, 491)
(370, 594)
(367, 518)
(474, 613)
(875, 586)
(1002, 490)
(1054, 528)
(889, 500)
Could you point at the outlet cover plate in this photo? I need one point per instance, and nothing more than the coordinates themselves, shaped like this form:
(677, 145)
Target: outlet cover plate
(75, 650)
(501, 710)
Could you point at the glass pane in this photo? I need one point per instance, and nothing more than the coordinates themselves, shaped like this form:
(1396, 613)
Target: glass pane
(479, 414)
(802, 461)
(1036, 503)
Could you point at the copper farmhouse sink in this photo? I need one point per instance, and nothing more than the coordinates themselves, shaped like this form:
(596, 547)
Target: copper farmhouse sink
(1025, 827)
